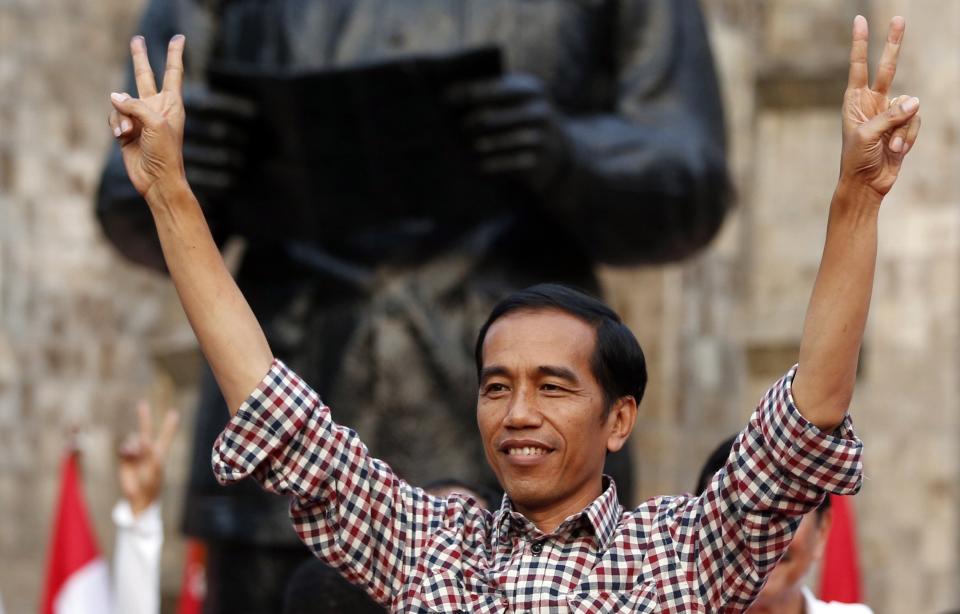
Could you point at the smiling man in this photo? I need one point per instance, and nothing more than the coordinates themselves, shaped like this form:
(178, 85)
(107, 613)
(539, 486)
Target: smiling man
(560, 381)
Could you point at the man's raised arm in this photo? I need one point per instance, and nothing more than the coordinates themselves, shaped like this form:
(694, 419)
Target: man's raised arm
(150, 132)
(877, 133)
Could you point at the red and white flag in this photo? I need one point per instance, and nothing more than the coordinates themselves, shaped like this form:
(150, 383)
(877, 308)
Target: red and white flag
(78, 581)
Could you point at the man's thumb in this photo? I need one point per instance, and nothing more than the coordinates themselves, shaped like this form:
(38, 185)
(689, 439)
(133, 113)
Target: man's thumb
(133, 107)
(897, 115)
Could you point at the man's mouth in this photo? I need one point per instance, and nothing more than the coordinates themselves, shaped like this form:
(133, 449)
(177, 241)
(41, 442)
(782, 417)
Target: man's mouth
(527, 451)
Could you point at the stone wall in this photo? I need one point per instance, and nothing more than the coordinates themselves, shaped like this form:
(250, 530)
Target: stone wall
(83, 334)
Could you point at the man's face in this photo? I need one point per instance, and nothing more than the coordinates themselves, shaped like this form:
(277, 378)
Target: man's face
(541, 410)
(787, 578)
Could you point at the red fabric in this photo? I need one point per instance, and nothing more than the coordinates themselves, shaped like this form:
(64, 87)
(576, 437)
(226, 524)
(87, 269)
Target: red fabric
(194, 587)
(840, 575)
(74, 544)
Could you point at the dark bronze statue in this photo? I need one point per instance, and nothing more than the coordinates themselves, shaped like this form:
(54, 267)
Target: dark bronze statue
(599, 140)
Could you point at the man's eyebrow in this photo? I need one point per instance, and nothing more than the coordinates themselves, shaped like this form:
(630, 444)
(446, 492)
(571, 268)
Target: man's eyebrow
(492, 371)
(560, 372)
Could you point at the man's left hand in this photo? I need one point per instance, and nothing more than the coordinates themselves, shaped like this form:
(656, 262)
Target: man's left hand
(877, 131)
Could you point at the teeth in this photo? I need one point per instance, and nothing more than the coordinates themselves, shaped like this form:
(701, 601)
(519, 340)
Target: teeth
(527, 451)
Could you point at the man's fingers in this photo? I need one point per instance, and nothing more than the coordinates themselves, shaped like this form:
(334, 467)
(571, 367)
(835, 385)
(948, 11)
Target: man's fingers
(858, 54)
(167, 431)
(888, 61)
(894, 117)
(119, 124)
(146, 82)
(173, 75)
(913, 130)
(135, 108)
(897, 137)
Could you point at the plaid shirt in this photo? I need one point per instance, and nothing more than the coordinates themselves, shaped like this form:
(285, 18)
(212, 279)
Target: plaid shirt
(416, 553)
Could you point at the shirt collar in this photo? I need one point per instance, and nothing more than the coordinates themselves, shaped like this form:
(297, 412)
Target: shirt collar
(603, 514)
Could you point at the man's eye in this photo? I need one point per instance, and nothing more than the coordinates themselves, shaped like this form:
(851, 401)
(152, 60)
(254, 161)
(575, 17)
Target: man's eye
(551, 388)
(494, 388)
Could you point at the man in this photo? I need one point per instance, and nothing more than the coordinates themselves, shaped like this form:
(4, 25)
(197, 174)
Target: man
(601, 142)
(560, 380)
(785, 591)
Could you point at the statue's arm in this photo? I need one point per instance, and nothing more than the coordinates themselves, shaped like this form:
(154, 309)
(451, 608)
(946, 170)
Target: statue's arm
(648, 182)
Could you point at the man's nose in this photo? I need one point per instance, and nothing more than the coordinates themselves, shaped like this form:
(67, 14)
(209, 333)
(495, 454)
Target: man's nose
(523, 412)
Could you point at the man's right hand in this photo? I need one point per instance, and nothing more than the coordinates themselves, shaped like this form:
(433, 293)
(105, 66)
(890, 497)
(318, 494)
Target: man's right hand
(150, 128)
(215, 139)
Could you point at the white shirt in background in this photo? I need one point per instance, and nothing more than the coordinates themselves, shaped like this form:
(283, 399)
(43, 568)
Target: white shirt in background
(136, 560)
(815, 606)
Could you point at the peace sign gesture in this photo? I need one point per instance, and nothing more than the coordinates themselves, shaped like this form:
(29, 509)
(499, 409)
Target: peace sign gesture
(150, 128)
(142, 457)
(877, 131)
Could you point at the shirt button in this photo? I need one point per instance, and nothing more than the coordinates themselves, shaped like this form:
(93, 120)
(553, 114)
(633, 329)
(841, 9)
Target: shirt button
(536, 548)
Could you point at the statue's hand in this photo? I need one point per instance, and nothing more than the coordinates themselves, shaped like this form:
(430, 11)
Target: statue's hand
(512, 127)
(142, 457)
(877, 132)
(215, 140)
(150, 128)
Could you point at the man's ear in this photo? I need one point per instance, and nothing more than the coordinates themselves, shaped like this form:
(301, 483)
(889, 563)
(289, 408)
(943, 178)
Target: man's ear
(620, 420)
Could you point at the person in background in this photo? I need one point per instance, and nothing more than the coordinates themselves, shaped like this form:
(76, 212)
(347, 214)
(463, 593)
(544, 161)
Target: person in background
(786, 591)
(136, 557)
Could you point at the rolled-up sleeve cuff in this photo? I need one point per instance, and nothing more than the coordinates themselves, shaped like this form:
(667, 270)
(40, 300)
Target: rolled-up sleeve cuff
(826, 461)
(273, 413)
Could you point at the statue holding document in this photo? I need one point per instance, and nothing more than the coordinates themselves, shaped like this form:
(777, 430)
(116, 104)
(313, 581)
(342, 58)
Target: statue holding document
(396, 167)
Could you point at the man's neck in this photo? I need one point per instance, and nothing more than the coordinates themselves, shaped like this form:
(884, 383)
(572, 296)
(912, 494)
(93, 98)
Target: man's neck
(548, 518)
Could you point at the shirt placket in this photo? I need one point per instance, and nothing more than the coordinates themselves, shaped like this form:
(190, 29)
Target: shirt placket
(530, 588)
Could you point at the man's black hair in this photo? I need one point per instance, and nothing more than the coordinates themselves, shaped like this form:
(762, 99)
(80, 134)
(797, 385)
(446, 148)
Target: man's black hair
(716, 461)
(617, 362)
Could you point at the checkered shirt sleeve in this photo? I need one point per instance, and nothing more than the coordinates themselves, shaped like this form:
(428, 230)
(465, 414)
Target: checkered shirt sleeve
(349, 508)
(780, 467)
